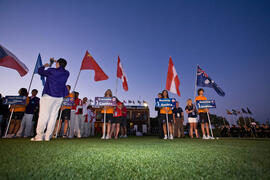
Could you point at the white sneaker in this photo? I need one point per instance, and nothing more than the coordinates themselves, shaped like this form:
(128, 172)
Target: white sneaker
(103, 137)
(165, 137)
(125, 136)
(10, 135)
(204, 137)
(171, 137)
(35, 139)
(108, 137)
(209, 137)
(47, 139)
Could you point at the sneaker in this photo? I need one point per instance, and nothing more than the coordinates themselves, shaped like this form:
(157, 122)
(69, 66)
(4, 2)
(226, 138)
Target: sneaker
(35, 139)
(65, 136)
(171, 137)
(125, 136)
(121, 136)
(103, 137)
(25, 136)
(209, 137)
(108, 137)
(165, 137)
(204, 137)
(10, 135)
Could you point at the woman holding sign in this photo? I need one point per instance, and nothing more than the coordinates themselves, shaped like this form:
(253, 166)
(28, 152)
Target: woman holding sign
(108, 111)
(164, 111)
(203, 115)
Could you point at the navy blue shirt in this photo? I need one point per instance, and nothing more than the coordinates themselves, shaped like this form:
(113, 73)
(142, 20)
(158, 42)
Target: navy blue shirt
(56, 79)
(32, 105)
(193, 114)
(178, 112)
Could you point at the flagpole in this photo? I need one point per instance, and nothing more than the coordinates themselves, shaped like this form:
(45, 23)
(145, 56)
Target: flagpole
(195, 84)
(30, 82)
(77, 80)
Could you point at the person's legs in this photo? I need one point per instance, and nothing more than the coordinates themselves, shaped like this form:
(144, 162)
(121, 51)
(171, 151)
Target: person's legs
(81, 125)
(171, 129)
(56, 104)
(207, 128)
(176, 128)
(65, 127)
(181, 128)
(112, 132)
(190, 130)
(57, 127)
(71, 124)
(117, 130)
(22, 127)
(17, 126)
(202, 127)
(44, 114)
(108, 129)
(11, 126)
(196, 131)
(165, 129)
(28, 125)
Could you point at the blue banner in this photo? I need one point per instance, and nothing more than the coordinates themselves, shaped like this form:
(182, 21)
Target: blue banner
(68, 101)
(105, 101)
(165, 102)
(15, 100)
(206, 104)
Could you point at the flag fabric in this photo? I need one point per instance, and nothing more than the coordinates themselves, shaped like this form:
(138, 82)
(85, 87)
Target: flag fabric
(172, 83)
(9, 60)
(244, 111)
(249, 112)
(121, 74)
(124, 102)
(204, 80)
(89, 63)
(139, 102)
(133, 102)
(234, 112)
(129, 101)
(228, 112)
(38, 65)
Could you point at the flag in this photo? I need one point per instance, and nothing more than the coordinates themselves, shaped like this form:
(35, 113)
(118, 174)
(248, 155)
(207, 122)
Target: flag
(89, 63)
(9, 60)
(139, 102)
(121, 74)
(129, 101)
(228, 112)
(133, 102)
(244, 111)
(172, 83)
(249, 112)
(204, 80)
(124, 102)
(38, 65)
(234, 112)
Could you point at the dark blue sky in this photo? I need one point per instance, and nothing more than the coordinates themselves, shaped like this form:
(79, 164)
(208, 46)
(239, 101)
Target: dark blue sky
(230, 40)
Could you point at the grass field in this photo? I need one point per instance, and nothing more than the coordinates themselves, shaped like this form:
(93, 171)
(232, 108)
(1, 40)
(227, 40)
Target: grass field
(135, 158)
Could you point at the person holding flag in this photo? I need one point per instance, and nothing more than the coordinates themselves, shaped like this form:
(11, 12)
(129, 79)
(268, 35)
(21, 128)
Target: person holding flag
(52, 97)
(203, 115)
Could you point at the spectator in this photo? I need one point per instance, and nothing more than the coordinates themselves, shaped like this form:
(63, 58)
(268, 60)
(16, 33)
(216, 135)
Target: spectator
(178, 118)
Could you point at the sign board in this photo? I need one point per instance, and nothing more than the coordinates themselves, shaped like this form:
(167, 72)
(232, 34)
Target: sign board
(206, 104)
(165, 102)
(105, 101)
(68, 101)
(15, 100)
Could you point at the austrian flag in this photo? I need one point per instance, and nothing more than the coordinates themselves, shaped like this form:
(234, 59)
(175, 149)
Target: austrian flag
(172, 83)
(121, 74)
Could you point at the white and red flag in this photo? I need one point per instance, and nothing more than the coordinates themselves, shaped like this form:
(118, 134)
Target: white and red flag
(9, 60)
(172, 83)
(121, 74)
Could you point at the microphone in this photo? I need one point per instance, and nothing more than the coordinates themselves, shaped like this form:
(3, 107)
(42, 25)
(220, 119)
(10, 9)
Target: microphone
(51, 61)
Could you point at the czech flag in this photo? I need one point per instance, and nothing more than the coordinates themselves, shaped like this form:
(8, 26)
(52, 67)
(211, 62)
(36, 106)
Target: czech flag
(121, 75)
(172, 83)
(9, 60)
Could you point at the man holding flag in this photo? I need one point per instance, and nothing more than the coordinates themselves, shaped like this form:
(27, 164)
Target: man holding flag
(52, 96)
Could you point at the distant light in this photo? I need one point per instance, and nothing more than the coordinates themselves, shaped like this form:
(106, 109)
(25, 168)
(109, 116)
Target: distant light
(145, 104)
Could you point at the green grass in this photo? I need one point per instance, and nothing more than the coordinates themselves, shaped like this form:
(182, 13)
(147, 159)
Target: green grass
(135, 158)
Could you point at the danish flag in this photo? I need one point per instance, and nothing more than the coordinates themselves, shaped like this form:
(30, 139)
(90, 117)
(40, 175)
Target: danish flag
(121, 74)
(172, 83)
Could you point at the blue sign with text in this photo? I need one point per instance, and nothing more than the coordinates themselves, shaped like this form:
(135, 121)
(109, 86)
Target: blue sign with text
(105, 101)
(206, 104)
(165, 102)
(68, 101)
(15, 100)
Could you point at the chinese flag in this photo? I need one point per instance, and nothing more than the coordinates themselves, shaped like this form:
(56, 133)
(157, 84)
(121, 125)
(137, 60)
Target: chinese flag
(89, 63)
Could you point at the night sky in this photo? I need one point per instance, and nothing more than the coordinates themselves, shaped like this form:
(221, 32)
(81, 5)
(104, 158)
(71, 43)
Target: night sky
(229, 39)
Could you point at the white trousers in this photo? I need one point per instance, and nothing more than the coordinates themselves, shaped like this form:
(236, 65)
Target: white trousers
(26, 126)
(86, 130)
(49, 107)
(71, 124)
(78, 125)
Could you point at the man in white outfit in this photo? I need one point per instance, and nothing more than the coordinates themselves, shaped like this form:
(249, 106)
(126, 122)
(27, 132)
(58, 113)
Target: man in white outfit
(85, 125)
(52, 96)
(92, 120)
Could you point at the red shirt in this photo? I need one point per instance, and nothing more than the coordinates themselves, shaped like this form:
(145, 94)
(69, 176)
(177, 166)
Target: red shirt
(124, 111)
(77, 106)
(118, 111)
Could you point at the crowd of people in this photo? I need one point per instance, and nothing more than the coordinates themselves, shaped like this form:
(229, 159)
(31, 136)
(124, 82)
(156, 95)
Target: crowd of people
(173, 117)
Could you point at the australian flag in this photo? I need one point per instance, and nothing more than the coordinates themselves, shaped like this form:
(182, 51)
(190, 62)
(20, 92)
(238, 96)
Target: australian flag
(204, 80)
